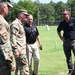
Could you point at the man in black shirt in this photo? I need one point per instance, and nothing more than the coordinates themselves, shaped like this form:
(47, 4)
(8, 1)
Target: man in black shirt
(32, 35)
(68, 38)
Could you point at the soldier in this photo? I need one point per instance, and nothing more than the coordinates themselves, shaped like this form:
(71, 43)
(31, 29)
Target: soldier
(18, 40)
(6, 55)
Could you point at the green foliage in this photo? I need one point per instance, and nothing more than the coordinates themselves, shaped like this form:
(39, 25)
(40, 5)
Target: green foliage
(46, 11)
(50, 12)
(71, 7)
(28, 5)
(58, 8)
(23, 4)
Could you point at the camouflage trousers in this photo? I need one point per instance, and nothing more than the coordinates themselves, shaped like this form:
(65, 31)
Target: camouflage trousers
(5, 70)
(22, 65)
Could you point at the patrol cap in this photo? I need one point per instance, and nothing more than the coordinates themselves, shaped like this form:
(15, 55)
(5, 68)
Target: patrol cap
(7, 2)
(23, 11)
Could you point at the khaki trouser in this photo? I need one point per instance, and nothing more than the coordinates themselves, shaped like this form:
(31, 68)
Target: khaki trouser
(33, 51)
(5, 70)
(22, 67)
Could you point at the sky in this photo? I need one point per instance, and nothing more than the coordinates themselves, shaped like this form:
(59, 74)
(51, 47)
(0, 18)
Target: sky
(47, 1)
(44, 1)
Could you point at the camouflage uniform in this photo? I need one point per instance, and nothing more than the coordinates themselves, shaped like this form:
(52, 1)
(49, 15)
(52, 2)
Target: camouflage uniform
(5, 48)
(19, 45)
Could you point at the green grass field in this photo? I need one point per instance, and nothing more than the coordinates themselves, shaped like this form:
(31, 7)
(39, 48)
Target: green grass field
(52, 58)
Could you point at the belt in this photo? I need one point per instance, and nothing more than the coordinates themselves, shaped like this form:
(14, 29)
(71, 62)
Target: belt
(30, 42)
(69, 39)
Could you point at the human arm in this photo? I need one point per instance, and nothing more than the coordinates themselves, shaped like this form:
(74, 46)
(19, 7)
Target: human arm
(14, 34)
(39, 41)
(11, 63)
(60, 28)
(60, 36)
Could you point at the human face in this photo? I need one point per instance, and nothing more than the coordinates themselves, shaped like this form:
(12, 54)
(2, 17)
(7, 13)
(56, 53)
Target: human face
(22, 17)
(30, 20)
(6, 9)
(25, 18)
(66, 14)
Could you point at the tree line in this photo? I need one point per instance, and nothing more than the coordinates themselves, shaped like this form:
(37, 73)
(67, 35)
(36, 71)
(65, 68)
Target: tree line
(46, 12)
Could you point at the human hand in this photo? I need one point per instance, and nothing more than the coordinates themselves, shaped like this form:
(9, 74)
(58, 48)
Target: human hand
(16, 54)
(13, 67)
(40, 47)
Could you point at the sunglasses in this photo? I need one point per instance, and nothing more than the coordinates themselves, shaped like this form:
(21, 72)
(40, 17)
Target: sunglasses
(64, 14)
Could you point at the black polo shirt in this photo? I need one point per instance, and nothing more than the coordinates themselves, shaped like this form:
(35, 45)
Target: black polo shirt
(31, 33)
(68, 28)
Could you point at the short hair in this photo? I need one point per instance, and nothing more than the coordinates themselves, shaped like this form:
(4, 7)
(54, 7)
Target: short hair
(1, 4)
(66, 10)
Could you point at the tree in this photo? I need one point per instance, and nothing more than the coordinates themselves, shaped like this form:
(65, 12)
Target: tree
(50, 12)
(22, 4)
(58, 9)
(71, 7)
(46, 11)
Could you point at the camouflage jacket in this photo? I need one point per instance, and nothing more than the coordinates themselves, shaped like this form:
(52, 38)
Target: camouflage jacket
(5, 46)
(18, 38)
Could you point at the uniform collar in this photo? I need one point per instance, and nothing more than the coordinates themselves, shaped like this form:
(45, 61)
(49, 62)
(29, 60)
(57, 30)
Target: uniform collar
(19, 21)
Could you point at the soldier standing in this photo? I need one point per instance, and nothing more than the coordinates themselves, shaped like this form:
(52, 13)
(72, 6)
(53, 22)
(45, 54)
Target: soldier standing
(6, 55)
(19, 43)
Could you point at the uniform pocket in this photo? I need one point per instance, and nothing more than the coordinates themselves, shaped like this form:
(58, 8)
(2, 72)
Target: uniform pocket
(23, 60)
(3, 38)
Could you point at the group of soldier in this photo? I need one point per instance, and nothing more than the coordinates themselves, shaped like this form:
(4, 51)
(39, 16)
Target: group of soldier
(14, 41)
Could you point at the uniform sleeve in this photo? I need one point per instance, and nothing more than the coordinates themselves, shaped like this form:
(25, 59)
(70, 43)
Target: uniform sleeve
(14, 34)
(7, 27)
